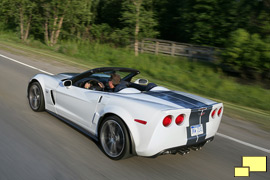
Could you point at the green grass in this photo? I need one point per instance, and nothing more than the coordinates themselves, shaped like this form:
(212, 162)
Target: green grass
(248, 102)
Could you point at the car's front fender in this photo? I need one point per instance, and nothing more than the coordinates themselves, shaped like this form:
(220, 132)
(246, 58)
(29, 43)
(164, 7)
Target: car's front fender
(47, 83)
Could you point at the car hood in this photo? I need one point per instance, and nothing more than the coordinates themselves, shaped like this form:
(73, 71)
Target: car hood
(62, 76)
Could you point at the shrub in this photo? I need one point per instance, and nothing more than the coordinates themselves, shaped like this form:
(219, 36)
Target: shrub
(247, 54)
(68, 48)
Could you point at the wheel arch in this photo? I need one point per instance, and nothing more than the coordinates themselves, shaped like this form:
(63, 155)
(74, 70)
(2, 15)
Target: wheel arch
(41, 79)
(31, 81)
(130, 134)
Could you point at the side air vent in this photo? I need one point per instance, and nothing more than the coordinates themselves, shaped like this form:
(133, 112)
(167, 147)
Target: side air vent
(52, 97)
(100, 99)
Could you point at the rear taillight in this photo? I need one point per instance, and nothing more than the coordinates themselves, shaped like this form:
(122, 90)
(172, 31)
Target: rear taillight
(213, 113)
(167, 120)
(219, 111)
(179, 120)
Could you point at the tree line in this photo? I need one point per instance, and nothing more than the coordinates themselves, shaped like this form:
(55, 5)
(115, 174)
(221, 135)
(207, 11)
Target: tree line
(241, 27)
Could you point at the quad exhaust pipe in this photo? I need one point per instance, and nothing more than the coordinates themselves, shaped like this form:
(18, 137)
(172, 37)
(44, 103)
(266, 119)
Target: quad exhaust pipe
(186, 150)
(174, 152)
(196, 148)
(183, 151)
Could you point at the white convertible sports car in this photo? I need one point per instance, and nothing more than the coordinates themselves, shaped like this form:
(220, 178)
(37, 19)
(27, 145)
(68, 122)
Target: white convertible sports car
(134, 118)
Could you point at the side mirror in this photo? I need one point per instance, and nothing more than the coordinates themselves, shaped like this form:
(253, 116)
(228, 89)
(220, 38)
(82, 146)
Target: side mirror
(67, 83)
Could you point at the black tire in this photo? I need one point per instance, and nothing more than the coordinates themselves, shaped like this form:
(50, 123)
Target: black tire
(36, 97)
(114, 138)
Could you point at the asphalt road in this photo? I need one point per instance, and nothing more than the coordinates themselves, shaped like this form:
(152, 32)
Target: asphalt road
(40, 146)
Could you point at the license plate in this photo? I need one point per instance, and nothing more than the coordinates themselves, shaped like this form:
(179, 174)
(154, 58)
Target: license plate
(196, 130)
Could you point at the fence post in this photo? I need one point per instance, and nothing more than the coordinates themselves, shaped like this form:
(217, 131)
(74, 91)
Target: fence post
(142, 46)
(157, 46)
(173, 49)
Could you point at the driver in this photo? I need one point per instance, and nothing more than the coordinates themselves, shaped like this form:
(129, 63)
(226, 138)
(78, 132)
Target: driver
(90, 85)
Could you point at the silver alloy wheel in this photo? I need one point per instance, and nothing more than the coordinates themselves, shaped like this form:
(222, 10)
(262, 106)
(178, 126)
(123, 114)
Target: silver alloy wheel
(112, 138)
(34, 97)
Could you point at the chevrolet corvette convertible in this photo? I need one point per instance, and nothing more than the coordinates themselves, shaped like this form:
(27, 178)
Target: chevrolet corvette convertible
(134, 118)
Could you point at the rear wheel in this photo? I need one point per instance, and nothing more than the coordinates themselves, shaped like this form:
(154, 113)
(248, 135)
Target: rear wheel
(35, 97)
(114, 138)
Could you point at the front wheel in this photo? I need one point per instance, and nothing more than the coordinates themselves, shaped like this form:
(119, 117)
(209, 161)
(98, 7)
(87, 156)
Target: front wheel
(114, 138)
(35, 97)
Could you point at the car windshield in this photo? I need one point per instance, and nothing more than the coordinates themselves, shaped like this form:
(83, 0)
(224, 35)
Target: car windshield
(99, 75)
(107, 75)
(104, 74)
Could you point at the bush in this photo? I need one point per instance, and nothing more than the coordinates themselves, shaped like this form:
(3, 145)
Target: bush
(247, 54)
(103, 33)
(69, 48)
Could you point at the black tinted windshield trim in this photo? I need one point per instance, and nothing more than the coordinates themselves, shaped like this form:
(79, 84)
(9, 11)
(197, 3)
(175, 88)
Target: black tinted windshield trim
(133, 72)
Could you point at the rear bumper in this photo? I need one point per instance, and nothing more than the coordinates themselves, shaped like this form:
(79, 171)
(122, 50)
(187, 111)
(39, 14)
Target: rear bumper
(184, 149)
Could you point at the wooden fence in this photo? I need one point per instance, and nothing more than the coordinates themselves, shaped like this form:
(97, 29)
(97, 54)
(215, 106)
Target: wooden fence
(172, 48)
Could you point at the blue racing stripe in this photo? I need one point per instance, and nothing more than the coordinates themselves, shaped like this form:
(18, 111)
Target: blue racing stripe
(178, 99)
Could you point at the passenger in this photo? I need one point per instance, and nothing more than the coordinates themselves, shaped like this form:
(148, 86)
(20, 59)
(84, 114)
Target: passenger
(114, 81)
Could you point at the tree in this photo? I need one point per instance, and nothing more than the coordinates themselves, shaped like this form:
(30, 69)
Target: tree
(22, 11)
(109, 12)
(138, 19)
(206, 22)
(74, 16)
(198, 17)
(54, 12)
(79, 19)
(247, 54)
(170, 23)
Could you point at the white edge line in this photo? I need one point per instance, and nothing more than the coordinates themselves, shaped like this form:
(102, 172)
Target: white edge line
(219, 134)
(25, 64)
(244, 143)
